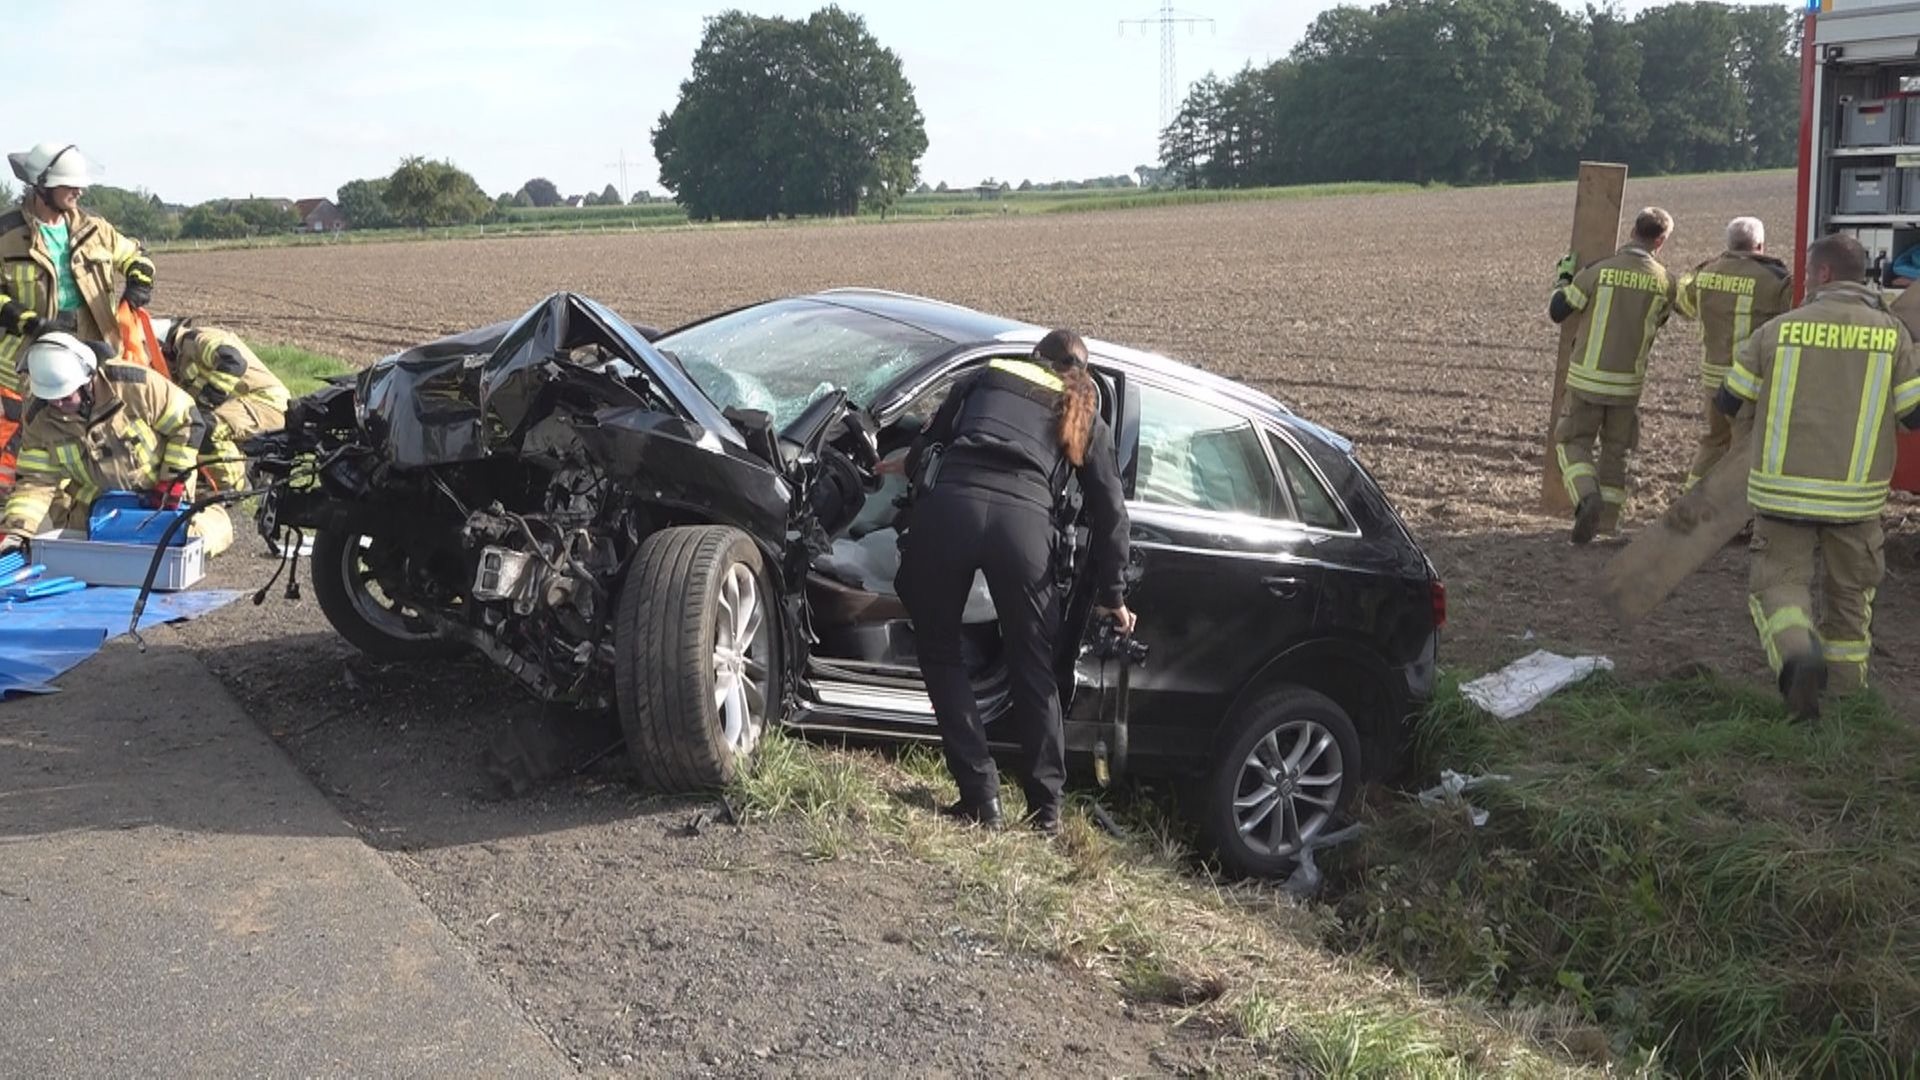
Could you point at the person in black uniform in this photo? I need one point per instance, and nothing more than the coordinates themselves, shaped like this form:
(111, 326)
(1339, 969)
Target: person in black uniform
(1011, 435)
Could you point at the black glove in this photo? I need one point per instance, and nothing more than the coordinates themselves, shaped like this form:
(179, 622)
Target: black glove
(139, 282)
(19, 320)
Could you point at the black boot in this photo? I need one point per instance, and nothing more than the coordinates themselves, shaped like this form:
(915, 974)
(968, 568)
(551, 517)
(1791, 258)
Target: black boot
(1802, 680)
(1044, 819)
(982, 812)
(1586, 518)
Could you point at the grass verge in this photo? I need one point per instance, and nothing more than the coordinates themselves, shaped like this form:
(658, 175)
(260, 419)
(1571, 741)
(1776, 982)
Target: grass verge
(302, 371)
(1679, 863)
(1243, 958)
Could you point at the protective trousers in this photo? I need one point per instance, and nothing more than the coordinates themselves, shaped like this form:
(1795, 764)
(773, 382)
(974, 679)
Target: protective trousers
(235, 419)
(1782, 601)
(1618, 429)
(956, 531)
(1713, 442)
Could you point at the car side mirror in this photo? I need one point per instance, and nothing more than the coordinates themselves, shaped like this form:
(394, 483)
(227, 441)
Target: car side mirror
(756, 427)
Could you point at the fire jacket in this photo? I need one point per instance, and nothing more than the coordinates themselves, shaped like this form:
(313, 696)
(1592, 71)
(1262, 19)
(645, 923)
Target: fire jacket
(1828, 381)
(1732, 296)
(1626, 297)
(140, 431)
(214, 366)
(97, 253)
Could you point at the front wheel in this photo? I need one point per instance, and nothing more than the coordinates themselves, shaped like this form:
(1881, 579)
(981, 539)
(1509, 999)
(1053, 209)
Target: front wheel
(697, 673)
(347, 573)
(1290, 764)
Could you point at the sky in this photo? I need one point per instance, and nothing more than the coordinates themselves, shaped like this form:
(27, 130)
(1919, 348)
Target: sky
(201, 99)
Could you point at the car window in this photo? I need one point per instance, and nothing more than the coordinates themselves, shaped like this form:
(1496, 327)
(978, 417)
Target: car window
(1312, 503)
(1197, 456)
(780, 356)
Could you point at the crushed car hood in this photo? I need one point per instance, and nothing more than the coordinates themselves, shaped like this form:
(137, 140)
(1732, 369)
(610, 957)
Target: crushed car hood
(461, 398)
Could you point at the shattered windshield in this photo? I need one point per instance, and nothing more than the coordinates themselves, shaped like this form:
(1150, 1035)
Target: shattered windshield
(778, 357)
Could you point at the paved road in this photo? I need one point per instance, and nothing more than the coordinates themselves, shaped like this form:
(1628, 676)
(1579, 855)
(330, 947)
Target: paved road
(176, 899)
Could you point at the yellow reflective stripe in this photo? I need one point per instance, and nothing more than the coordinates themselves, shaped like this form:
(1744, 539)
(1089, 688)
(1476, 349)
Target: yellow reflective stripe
(1771, 627)
(1849, 652)
(1616, 378)
(1614, 495)
(1031, 372)
(223, 381)
(1810, 510)
(1816, 486)
(180, 457)
(173, 415)
(1906, 397)
(1873, 400)
(1649, 327)
(71, 460)
(1743, 383)
(1742, 326)
(1576, 299)
(1597, 327)
(37, 461)
(1713, 376)
(27, 505)
(1786, 373)
(1571, 471)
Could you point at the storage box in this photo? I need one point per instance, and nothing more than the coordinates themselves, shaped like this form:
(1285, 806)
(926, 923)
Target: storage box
(98, 562)
(1867, 191)
(1873, 122)
(1909, 123)
(1910, 189)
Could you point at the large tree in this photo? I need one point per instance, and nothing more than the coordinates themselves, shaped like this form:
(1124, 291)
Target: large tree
(543, 192)
(785, 117)
(364, 203)
(422, 193)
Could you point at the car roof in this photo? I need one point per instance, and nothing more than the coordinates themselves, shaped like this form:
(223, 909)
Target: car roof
(965, 326)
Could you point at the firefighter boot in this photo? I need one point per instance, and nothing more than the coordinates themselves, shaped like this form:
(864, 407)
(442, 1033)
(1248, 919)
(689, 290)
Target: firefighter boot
(1586, 518)
(1802, 680)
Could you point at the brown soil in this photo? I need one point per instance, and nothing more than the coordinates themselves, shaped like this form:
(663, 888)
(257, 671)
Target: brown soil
(1413, 323)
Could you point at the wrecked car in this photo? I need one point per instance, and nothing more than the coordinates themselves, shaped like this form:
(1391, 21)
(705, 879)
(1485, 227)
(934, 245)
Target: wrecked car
(696, 532)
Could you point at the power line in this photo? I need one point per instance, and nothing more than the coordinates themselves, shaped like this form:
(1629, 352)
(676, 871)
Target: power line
(1166, 20)
(622, 166)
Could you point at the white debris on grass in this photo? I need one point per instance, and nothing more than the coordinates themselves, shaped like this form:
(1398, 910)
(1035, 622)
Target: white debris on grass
(1452, 786)
(1514, 690)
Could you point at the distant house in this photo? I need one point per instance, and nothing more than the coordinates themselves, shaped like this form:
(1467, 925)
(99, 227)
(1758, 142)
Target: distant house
(576, 201)
(319, 215)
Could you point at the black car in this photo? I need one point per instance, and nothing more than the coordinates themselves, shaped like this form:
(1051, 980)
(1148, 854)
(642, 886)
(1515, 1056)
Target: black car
(698, 532)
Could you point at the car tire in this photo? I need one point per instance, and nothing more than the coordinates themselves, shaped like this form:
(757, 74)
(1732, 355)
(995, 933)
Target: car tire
(371, 623)
(697, 672)
(1288, 767)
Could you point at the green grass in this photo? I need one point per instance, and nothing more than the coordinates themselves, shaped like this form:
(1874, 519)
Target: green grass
(532, 221)
(302, 371)
(1679, 863)
(1242, 960)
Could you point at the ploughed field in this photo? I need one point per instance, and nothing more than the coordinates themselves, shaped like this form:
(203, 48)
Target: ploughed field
(1413, 323)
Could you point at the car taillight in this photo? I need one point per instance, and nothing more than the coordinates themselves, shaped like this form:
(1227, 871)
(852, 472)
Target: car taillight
(1437, 592)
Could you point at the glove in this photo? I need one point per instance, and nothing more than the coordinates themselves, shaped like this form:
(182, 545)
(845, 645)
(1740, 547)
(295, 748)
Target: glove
(139, 283)
(20, 321)
(12, 542)
(1566, 268)
(166, 495)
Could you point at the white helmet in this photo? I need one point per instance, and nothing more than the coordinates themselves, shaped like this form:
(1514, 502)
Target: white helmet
(58, 364)
(52, 165)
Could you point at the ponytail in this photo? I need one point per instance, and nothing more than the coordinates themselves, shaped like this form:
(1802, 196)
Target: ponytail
(1073, 415)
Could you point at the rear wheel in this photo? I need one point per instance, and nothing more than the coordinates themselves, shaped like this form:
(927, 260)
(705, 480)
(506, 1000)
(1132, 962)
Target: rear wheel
(1290, 764)
(697, 665)
(348, 571)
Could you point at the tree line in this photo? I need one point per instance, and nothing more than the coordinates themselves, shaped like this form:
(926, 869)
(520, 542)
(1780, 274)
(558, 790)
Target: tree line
(1484, 91)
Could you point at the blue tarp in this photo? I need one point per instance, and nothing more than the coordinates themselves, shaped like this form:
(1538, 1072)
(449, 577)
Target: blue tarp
(42, 638)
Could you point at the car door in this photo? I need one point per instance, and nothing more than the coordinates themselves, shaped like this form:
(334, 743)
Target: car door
(1226, 575)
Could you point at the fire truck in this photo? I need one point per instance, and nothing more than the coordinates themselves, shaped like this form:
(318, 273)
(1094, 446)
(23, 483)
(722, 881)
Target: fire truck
(1860, 146)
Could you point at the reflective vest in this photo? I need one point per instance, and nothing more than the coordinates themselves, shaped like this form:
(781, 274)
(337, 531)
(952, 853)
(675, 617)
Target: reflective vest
(214, 365)
(1005, 436)
(1828, 380)
(1626, 297)
(1731, 296)
(141, 429)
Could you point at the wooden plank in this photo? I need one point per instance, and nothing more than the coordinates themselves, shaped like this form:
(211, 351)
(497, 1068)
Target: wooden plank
(1695, 527)
(1597, 197)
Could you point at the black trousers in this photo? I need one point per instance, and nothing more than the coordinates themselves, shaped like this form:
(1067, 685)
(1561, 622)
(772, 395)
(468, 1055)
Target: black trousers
(956, 531)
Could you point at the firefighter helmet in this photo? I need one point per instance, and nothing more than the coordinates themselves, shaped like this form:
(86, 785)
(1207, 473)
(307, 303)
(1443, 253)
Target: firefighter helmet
(52, 165)
(58, 364)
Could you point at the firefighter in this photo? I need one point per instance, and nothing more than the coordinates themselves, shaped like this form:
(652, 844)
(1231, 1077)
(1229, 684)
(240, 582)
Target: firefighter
(56, 259)
(990, 473)
(1828, 380)
(236, 393)
(94, 426)
(1731, 296)
(1626, 298)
